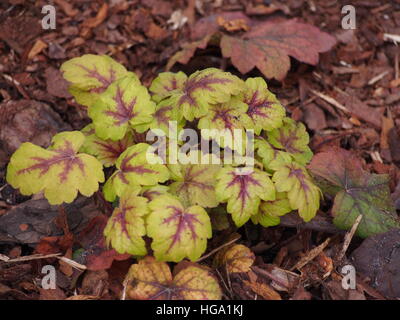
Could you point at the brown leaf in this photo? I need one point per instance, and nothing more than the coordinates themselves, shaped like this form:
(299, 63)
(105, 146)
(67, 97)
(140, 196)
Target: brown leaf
(98, 19)
(263, 290)
(269, 44)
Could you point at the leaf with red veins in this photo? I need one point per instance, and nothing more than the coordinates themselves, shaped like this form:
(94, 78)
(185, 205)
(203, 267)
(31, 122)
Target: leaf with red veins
(164, 113)
(268, 45)
(152, 192)
(264, 109)
(150, 279)
(194, 184)
(135, 170)
(177, 232)
(243, 193)
(106, 151)
(166, 83)
(124, 104)
(60, 171)
(201, 89)
(228, 119)
(302, 193)
(90, 75)
(125, 228)
(293, 138)
(356, 192)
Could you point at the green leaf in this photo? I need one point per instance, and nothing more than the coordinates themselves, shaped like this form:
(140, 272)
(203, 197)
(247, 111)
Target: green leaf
(90, 75)
(270, 211)
(152, 280)
(60, 171)
(177, 232)
(264, 109)
(194, 183)
(243, 193)
(270, 156)
(166, 84)
(125, 228)
(124, 104)
(106, 151)
(358, 192)
(201, 89)
(293, 138)
(302, 193)
(134, 170)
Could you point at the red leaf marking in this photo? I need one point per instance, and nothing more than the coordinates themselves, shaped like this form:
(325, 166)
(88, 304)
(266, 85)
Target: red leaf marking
(111, 150)
(298, 173)
(95, 74)
(121, 217)
(256, 106)
(65, 155)
(288, 141)
(184, 220)
(127, 167)
(225, 116)
(189, 180)
(124, 112)
(244, 182)
(204, 83)
(160, 115)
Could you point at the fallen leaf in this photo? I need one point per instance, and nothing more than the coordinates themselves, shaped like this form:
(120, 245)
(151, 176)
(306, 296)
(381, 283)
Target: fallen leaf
(357, 192)
(269, 44)
(98, 19)
(378, 258)
(236, 258)
(153, 280)
(263, 290)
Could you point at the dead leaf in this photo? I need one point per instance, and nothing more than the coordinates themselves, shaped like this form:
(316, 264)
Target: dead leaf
(37, 48)
(263, 290)
(98, 19)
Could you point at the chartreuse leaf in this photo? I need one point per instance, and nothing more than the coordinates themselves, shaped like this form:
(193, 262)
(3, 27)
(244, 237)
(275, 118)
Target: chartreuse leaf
(194, 183)
(164, 113)
(264, 109)
(166, 83)
(226, 117)
(302, 193)
(134, 170)
(357, 192)
(293, 138)
(270, 211)
(236, 258)
(152, 280)
(152, 192)
(125, 228)
(106, 151)
(177, 232)
(270, 156)
(90, 75)
(125, 103)
(201, 89)
(60, 171)
(243, 192)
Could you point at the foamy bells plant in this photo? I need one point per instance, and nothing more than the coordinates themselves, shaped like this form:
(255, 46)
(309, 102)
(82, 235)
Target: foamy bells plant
(169, 202)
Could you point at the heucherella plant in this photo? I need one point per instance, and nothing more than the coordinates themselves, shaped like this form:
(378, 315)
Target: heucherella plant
(164, 196)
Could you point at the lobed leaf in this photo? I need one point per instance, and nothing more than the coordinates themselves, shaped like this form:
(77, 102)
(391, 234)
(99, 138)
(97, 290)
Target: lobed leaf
(166, 84)
(264, 109)
(357, 192)
(302, 193)
(194, 184)
(293, 138)
(270, 156)
(177, 232)
(106, 151)
(201, 89)
(125, 228)
(124, 104)
(152, 280)
(60, 171)
(270, 211)
(243, 193)
(134, 170)
(90, 75)
(236, 258)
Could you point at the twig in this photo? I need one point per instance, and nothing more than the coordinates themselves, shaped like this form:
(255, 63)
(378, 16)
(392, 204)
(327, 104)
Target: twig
(72, 263)
(348, 237)
(330, 100)
(391, 37)
(378, 77)
(29, 258)
(217, 249)
(311, 255)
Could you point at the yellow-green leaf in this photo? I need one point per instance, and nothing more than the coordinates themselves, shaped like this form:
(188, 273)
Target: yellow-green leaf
(60, 171)
(177, 232)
